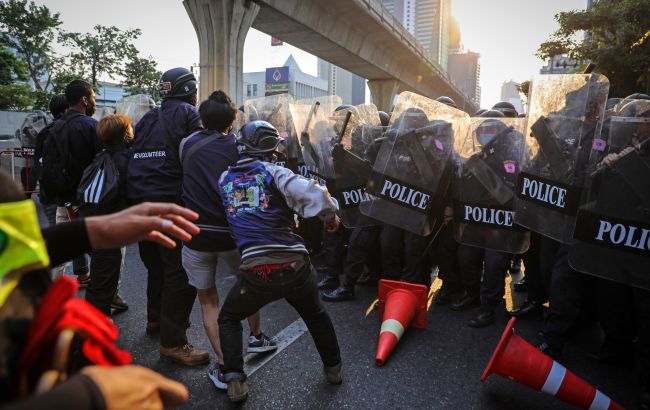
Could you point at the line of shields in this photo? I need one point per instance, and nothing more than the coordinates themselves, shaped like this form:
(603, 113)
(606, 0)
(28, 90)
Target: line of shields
(576, 169)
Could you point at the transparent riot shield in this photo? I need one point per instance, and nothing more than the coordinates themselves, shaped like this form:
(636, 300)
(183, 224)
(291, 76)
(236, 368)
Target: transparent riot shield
(613, 223)
(491, 154)
(357, 127)
(28, 132)
(564, 121)
(273, 109)
(135, 106)
(315, 129)
(413, 168)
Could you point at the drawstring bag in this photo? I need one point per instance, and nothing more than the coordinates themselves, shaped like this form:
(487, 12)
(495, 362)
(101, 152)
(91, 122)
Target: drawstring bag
(100, 181)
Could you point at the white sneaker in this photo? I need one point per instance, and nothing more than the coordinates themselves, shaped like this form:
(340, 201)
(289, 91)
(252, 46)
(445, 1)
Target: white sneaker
(217, 377)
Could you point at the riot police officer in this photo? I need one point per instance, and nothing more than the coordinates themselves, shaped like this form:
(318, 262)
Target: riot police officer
(155, 175)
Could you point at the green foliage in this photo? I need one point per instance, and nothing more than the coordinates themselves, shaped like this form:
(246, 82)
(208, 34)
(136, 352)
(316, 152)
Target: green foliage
(141, 76)
(617, 41)
(15, 97)
(30, 29)
(524, 88)
(41, 100)
(11, 68)
(101, 52)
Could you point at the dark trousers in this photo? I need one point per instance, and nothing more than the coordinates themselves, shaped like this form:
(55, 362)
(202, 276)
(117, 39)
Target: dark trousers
(334, 247)
(169, 294)
(567, 291)
(537, 291)
(493, 265)
(251, 292)
(403, 256)
(444, 254)
(362, 242)
(105, 267)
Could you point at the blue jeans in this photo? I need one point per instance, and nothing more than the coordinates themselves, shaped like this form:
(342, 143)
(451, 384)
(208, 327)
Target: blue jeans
(252, 291)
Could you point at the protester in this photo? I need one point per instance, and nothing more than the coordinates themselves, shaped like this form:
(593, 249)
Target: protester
(260, 200)
(155, 175)
(203, 155)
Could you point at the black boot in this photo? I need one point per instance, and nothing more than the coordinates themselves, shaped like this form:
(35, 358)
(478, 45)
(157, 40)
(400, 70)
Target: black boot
(328, 283)
(483, 319)
(340, 294)
(529, 310)
(466, 302)
(445, 295)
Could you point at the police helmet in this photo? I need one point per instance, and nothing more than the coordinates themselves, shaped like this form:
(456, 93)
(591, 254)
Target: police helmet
(258, 138)
(493, 113)
(177, 82)
(488, 130)
(343, 107)
(637, 96)
(479, 112)
(447, 101)
(506, 108)
(635, 108)
(384, 118)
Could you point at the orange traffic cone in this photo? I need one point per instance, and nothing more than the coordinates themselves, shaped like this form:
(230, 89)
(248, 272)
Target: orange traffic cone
(401, 305)
(518, 360)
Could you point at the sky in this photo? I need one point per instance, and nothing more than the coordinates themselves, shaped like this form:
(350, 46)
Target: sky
(505, 32)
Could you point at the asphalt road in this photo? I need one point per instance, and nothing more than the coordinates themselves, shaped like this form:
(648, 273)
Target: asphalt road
(438, 367)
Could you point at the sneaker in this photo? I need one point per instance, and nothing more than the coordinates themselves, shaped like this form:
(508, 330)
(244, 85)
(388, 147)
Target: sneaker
(260, 344)
(119, 304)
(237, 390)
(333, 374)
(215, 374)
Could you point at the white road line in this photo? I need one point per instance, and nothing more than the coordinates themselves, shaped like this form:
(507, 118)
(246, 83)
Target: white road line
(254, 361)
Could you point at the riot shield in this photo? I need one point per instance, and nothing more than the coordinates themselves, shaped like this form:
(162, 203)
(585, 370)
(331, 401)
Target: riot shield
(413, 168)
(316, 132)
(273, 109)
(613, 223)
(564, 121)
(491, 153)
(135, 106)
(357, 127)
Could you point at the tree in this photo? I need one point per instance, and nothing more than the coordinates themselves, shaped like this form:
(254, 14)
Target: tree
(617, 41)
(11, 68)
(102, 51)
(141, 76)
(30, 29)
(15, 97)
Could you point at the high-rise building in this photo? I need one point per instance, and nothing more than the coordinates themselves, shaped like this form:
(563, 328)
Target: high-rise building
(350, 87)
(465, 71)
(427, 21)
(510, 93)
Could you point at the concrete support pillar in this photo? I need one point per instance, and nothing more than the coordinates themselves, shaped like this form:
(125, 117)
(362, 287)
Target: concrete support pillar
(382, 92)
(221, 27)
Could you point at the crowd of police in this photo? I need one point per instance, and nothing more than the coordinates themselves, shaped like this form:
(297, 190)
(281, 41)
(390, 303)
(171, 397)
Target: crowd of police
(424, 191)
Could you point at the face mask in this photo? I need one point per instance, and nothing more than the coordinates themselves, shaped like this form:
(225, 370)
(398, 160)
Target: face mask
(485, 139)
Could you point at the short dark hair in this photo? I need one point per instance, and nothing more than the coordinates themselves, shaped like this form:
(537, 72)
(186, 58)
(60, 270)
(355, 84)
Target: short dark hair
(218, 112)
(76, 90)
(58, 105)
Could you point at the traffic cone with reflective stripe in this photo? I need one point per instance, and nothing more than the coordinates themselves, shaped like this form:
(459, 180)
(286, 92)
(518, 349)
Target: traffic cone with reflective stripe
(518, 360)
(401, 305)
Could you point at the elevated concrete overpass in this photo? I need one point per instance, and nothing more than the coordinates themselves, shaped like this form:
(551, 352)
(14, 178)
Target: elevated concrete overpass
(360, 36)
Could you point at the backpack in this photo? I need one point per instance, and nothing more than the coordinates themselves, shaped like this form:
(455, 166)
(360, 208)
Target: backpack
(100, 182)
(58, 173)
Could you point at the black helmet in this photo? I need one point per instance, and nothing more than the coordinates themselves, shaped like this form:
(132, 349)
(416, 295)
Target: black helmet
(637, 96)
(258, 138)
(506, 108)
(493, 113)
(343, 107)
(177, 82)
(479, 112)
(635, 108)
(447, 101)
(384, 119)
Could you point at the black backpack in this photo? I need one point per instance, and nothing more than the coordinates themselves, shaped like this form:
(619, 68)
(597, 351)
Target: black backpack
(100, 182)
(59, 173)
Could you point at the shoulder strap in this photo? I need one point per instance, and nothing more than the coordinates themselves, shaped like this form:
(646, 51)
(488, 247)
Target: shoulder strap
(185, 156)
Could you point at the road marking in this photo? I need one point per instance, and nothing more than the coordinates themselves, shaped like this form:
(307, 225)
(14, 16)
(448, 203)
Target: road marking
(254, 361)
